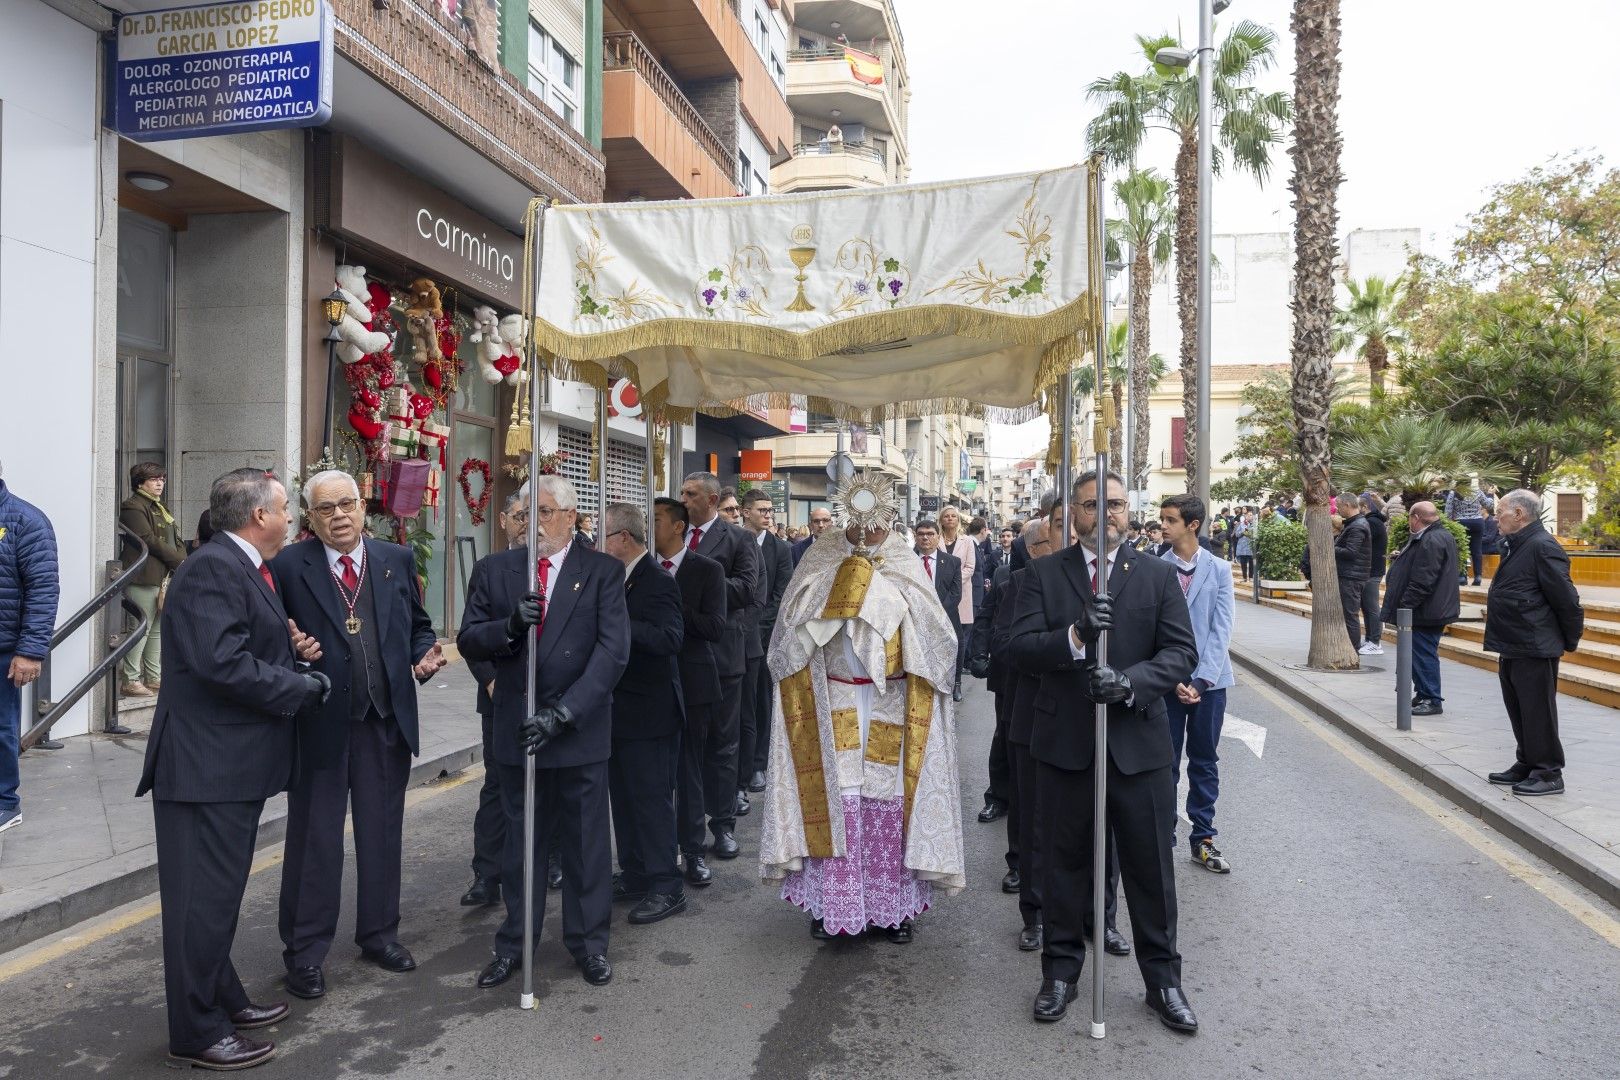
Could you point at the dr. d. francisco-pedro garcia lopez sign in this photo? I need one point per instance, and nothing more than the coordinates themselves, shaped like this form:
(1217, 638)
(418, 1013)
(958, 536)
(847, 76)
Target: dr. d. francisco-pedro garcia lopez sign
(222, 68)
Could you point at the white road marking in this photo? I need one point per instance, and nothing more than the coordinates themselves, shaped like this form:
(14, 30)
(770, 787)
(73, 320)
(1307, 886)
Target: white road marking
(1249, 734)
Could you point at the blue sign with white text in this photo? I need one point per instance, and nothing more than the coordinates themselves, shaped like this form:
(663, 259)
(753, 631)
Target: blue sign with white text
(218, 69)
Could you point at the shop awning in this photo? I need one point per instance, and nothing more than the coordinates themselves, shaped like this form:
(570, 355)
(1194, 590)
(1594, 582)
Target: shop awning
(970, 296)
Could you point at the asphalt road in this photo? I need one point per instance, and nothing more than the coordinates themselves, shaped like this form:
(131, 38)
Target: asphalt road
(1365, 932)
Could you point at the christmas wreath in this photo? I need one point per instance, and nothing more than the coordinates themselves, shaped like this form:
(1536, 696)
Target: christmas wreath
(476, 507)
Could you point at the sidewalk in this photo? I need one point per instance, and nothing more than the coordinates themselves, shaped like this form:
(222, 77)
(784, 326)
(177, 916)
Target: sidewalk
(85, 845)
(1578, 832)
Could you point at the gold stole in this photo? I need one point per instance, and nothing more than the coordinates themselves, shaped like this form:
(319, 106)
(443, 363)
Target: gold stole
(883, 741)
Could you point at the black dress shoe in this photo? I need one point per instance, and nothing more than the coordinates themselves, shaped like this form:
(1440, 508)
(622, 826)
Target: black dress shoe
(697, 871)
(655, 906)
(819, 931)
(993, 811)
(742, 806)
(900, 935)
(1174, 1012)
(483, 893)
(1427, 707)
(623, 894)
(498, 971)
(597, 969)
(1114, 943)
(1012, 882)
(391, 957)
(725, 846)
(1533, 786)
(232, 1052)
(1029, 938)
(756, 783)
(306, 982)
(1517, 774)
(259, 1016)
(554, 873)
(1053, 1000)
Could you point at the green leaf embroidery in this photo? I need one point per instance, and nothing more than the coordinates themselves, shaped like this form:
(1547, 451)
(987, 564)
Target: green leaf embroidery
(716, 275)
(890, 266)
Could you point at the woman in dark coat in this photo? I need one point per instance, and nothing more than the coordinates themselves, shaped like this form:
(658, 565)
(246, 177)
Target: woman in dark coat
(144, 514)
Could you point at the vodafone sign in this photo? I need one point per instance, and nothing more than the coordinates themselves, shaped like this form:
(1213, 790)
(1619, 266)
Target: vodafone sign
(624, 400)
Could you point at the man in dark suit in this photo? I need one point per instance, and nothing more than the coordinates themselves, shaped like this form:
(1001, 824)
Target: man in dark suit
(647, 721)
(361, 598)
(223, 740)
(998, 795)
(1423, 577)
(1056, 626)
(820, 518)
(702, 582)
(576, 622)
(942, 568)
(712, 536)
(776, 567)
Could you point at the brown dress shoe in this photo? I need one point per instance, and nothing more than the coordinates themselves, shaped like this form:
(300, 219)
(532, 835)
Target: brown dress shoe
(134, 689)
(260, 1016)
(232, 1052)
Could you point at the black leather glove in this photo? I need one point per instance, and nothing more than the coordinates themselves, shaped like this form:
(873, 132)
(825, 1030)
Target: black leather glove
(545, 725)
(528, 613)
(979, 666)
(317, 688)
(1107, 686)
(1095, 617)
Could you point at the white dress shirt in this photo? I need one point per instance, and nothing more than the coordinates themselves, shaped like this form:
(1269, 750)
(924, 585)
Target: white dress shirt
(1076, 648)
(556, 566)
(357, 556)
(630, 567)
(252, 552)
(674, 560)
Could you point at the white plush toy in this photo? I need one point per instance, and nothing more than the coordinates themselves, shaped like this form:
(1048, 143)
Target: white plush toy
(514, 331)
(358, 342)
(486, 334)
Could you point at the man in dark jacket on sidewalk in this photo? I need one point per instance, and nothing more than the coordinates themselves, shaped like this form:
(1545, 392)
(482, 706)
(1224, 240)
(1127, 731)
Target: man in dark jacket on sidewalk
(29, 588)
(1352, 551)
(1532, 618)
(1424, 578)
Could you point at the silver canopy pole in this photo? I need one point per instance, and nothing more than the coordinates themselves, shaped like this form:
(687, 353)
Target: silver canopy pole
(601, 463)
(1099, 759)
(537, 376)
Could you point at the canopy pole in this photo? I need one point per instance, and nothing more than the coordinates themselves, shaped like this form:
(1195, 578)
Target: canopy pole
(537, 374)
(601, 464)
(1099, 834)
(651, 474)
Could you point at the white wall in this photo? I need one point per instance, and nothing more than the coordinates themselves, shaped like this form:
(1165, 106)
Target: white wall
(49, 224)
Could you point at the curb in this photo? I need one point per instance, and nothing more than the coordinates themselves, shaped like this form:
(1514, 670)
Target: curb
(134, 874)
(1450, 781)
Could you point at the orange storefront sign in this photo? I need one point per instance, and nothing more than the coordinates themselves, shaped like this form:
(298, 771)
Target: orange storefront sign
(756, 465)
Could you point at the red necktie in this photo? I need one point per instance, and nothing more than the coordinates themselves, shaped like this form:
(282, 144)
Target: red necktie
(545, 579)
(669, 565)
(928, 565)
(264, 572)
(351, 580)
(697, 535)
(1094, 577)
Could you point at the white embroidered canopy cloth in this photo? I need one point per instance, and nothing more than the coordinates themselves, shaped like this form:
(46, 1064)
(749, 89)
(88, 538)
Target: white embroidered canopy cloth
(893, 301)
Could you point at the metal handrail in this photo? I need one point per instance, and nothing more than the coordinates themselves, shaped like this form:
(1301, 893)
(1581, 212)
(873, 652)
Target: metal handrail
(828, 147)
(819, 52)
(623, 50)
(51, 710)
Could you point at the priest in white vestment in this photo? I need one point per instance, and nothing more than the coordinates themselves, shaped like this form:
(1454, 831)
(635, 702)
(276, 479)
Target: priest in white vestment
(863, 820)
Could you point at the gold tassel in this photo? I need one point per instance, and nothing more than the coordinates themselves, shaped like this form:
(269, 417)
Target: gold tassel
(520, 430)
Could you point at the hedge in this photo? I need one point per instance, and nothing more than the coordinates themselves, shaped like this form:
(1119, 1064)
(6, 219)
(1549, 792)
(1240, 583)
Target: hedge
(1279, 545)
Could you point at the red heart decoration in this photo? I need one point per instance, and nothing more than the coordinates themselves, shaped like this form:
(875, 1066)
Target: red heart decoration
(433, 376)
(365, 425)
(421, 406)
(507, 364)
(385, 378)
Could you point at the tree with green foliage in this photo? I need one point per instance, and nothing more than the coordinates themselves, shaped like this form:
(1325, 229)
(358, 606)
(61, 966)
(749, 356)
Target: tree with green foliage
(1266, 445)
(1368, 327)
(1416, 454)
(1146, 230)
(1247, 124)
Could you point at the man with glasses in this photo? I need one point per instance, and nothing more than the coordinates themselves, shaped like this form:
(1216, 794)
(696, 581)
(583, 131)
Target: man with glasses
(1057, 623)
(566, 602)
(820, 518)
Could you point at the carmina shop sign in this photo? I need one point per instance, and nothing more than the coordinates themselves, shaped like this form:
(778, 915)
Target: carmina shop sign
(380, 203)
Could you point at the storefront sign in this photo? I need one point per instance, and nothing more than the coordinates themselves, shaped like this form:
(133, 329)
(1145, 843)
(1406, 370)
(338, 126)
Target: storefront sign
(756, 465)
(219, 69)
(798, 416)
(624, 400)
(378, 202)
(928, 504)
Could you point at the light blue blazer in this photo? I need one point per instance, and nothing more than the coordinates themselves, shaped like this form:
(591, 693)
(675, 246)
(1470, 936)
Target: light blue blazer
(1210, 601)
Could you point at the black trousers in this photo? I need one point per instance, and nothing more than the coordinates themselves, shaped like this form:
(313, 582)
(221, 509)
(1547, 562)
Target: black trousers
(1141, 813)
(489, 822)
(1350, 601)
(1371, 609)
(1530, 692)
(204, 852)
(719, 756)
(1000, 789)
(372, 773)
(754, 724)
(764, 692)
(576, 799)
(690, 820)
(641, 786)
(1024, 833)
(964, 639)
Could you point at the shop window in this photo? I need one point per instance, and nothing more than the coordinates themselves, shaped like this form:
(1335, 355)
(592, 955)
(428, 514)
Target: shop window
(554, 75)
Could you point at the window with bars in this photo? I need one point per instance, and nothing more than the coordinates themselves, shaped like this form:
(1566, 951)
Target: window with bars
(627, 463)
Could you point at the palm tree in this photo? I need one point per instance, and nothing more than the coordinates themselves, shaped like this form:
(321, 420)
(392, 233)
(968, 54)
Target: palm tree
(1146, 229)
(1367, 325)
(1119, 372)
(1247, 124)
(1317, 175)
(1417, 454)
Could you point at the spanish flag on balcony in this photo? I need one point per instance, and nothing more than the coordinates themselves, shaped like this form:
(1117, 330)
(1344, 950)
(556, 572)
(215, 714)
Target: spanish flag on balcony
(864, 66)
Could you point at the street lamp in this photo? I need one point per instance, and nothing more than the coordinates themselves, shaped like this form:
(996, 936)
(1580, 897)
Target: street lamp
(1207, 10)
(333, 308)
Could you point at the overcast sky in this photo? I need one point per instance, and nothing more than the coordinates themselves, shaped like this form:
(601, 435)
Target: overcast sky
(1441, 100)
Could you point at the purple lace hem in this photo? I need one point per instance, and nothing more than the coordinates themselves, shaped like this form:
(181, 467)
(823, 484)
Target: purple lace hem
(870, 885)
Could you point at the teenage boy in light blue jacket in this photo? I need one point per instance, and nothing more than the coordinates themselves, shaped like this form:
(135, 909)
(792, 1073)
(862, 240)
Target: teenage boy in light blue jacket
(1197, 708)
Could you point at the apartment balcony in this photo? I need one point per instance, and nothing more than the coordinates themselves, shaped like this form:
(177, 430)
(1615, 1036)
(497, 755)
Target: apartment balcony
(819, 81)
(858, 20)
(828, 166)
(656, 144)
(789, 452)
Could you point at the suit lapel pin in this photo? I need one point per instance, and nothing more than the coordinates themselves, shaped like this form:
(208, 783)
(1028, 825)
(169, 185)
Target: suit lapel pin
(388, 573)
(576, 586)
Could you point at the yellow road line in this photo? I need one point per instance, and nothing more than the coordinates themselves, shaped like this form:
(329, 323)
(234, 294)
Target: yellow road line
(1463, 826)
(29, 958)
